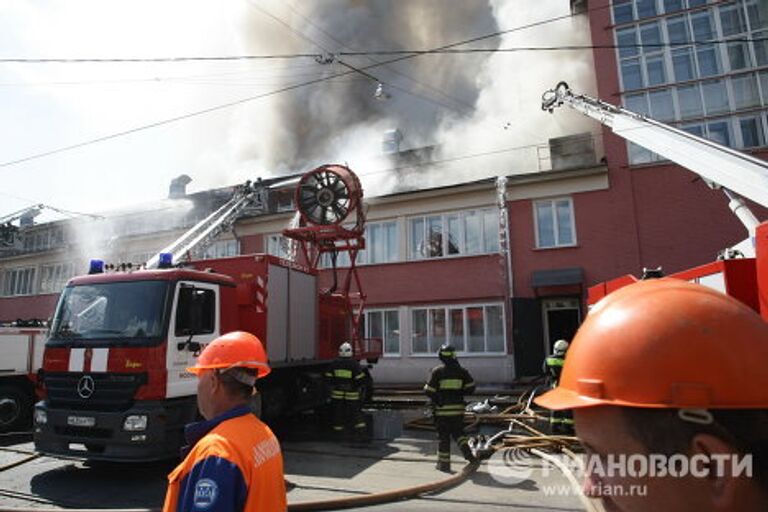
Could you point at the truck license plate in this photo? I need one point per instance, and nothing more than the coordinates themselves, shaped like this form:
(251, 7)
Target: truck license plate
(81, 421)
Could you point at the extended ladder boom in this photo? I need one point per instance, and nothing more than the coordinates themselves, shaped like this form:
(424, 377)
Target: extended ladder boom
(721, 165)
(202, 234)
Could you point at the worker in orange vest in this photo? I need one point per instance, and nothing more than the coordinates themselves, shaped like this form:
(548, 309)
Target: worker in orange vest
(671, 376)
(233, 461)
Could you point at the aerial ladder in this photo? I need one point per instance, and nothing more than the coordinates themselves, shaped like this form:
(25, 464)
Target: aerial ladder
(735, 173)
(8, 230)
(250, 196)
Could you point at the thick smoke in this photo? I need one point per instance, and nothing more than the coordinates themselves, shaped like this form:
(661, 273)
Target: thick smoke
(464, 105)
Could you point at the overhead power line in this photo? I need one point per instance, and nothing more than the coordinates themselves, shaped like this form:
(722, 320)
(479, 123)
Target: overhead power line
(278, 91)
(449, 50)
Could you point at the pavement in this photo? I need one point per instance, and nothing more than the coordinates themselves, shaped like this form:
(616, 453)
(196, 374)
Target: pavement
(316, 468)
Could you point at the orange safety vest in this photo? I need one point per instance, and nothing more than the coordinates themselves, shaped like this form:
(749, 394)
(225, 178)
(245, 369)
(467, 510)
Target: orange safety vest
(236, 466)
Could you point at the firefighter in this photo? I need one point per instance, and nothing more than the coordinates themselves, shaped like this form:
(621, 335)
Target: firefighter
(346, 378)
(560, 422)
(233, 461)
(446, 389)
(675, 371)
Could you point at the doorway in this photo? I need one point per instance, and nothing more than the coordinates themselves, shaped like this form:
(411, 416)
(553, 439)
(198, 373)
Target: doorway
(561, 318)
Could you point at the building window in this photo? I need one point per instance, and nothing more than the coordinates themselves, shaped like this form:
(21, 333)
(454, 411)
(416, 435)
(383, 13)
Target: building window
(681, 51)
(454, 234)
(221, 249)
(54, 277)
(471, 329)
(555, 226)
(383, 324)
(382, 245)
(280, 246)
(19, 281)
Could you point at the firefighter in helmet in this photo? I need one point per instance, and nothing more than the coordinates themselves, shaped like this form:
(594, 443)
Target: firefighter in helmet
(346, 379)
(233, 462)
(560, 422)
(446, 389)
(672, 370)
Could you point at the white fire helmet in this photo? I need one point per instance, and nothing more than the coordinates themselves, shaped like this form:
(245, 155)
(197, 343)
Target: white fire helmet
(345, 350)
(561, 347)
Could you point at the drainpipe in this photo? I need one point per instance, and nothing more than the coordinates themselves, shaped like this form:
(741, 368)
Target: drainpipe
(506, 250)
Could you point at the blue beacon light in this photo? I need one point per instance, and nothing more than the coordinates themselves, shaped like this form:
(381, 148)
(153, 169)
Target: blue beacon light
(96, 267)
(166, 260)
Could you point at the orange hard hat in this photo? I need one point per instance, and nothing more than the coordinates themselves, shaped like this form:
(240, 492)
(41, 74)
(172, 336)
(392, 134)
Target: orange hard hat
(237, 349)
(666, 343)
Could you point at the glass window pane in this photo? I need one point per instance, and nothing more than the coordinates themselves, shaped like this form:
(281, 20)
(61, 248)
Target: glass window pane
(764, 86)
(682, 63)
(677, 30)
(417, 238)
(490, 231)
(738, 56)
(662, 106)
(757, 14)
(375, 324)
(751, 132)
(545, 224)
(434, 247)
(495, 322)
(391, 332)
(456, 334)
(654, 67)
(391, 241)
(638, 154)
(715, 96)
(622, 12)
(761, 47)
(419, 331)
(476, 330)
(694, 129)
(650, 34)
(631, 75)
(637, 103)
(673, 5)
(702, 26)
(564, 231)
(720, 132)
(454, 240)
(732, 20)
(626, 39)
(696, 3)
(646, 8)
(745, 93)
(709, 61)
(689, 101)
(472, 234)
(436, 329)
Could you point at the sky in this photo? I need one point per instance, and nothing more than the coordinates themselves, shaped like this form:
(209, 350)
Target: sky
(467, 104)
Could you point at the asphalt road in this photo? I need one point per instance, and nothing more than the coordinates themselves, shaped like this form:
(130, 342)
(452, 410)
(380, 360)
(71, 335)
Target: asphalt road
(316, 468)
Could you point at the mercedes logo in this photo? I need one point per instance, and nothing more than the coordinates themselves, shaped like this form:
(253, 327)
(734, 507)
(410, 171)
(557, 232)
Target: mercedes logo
(85, 386)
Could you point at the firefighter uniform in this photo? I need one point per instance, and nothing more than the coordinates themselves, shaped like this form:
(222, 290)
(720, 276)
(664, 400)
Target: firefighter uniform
(446, 388)
(346, 378)
(234, 463)
(559, 421)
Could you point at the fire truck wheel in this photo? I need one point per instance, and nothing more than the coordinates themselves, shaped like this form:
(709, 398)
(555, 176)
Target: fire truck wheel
(15, 409)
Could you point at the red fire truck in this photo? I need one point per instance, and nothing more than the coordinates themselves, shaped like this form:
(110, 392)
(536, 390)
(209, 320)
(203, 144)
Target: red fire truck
(22, 349)
(113, 376)
(742, 271)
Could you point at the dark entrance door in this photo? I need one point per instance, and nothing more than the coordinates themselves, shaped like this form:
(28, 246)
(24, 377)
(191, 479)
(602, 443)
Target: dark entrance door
(561, 320)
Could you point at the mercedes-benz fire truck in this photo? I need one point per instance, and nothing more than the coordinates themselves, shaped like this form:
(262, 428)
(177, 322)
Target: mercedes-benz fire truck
(114, 369)
(742, 271)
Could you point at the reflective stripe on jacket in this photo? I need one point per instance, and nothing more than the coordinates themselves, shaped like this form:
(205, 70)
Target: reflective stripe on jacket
(446, 388)
(234, 465)
(345, 376)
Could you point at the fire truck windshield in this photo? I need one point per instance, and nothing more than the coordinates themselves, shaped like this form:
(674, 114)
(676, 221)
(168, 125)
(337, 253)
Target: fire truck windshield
(111, 311)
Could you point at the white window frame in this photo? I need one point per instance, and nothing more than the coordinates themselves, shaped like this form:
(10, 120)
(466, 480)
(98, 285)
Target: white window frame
(30, 284)
(60, 273)
(383, 312)
(221, 249)
(551, 202)
(275, 244)
(363, 257)
(446, 311)
(482, 213)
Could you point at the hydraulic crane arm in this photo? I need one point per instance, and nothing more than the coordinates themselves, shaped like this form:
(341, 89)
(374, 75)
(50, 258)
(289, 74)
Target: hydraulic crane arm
(715, 163)
(202, 234)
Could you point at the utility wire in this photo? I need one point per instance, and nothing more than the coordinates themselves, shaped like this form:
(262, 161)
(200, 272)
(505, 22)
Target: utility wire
(276, 91)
